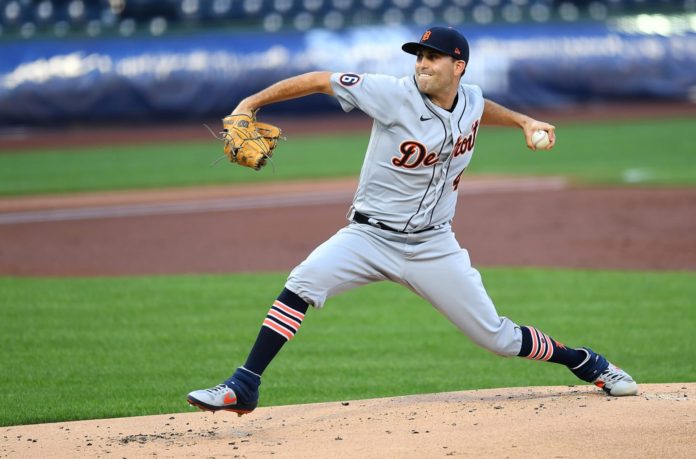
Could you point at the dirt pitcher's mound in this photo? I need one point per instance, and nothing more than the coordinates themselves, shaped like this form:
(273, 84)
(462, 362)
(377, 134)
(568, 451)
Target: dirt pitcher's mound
(557, 422)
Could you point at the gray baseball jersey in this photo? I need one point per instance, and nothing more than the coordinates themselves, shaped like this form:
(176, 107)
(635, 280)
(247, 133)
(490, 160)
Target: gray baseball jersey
(417, 150)
(408, 182)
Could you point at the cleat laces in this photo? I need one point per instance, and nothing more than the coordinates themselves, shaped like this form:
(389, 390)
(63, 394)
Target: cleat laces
(612, 375)
(217, 390)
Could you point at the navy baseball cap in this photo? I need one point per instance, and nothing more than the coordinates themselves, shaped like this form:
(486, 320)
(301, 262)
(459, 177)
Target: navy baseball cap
(443, 39)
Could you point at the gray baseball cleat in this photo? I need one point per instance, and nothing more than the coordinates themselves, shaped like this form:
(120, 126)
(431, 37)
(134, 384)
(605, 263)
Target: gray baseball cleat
(221, 397)
(614, 381)
(599, 371)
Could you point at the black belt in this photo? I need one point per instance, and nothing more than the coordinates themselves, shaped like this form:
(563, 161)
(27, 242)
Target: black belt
(365, 220)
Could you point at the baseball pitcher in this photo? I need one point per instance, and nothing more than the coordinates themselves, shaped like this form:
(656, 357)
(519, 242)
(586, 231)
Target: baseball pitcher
(399, 229)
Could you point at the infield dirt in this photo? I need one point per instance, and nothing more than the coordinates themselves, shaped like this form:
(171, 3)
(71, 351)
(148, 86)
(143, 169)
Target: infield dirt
(550, 422)
(501, 221)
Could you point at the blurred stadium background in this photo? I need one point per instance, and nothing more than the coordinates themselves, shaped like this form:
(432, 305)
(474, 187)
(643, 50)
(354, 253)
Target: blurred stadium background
(61, 18)
(134, 61)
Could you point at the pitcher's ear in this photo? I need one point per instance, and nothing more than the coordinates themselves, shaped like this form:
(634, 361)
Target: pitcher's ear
(462, 65)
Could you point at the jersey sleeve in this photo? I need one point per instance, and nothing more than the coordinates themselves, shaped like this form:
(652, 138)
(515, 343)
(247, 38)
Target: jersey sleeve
(379, 96)
(475, 93)
(474, 89)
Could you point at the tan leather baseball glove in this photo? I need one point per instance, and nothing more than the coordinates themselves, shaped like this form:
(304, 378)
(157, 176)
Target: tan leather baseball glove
(248, 142)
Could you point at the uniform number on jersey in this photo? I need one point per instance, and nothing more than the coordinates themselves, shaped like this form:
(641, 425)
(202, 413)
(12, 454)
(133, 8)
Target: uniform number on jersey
(348, 79)
(458, 179)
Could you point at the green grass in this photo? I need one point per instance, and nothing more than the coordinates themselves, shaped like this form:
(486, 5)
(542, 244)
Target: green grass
(653, 152)
(656, 152)
(107, 347)
(171, 165)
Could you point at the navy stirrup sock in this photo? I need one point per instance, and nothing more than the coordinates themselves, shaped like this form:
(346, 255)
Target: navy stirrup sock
(539, 346)
(245, 384)
(280, 325)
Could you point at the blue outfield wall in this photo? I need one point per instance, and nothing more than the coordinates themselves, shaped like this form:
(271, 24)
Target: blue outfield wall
(192, 77)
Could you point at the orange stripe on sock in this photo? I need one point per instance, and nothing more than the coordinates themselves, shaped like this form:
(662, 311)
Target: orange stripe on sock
(285, 319)
(543, 345)
(549, 350)
(535, 343)
(278, 329)
(296, 314)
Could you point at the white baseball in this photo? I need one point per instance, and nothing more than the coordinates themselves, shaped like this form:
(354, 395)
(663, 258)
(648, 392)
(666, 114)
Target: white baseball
(540, 139)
